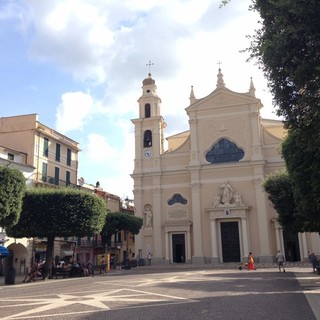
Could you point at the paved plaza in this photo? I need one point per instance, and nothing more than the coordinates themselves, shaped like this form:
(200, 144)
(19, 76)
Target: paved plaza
(168, 293)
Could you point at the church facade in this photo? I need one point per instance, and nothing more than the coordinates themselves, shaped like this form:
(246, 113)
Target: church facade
(201, 197)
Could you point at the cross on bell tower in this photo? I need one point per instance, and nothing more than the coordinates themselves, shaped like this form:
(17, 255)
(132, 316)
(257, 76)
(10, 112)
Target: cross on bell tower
(149, 64)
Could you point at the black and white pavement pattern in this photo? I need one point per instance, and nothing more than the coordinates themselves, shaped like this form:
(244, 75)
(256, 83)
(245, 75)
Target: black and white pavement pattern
(168, 294)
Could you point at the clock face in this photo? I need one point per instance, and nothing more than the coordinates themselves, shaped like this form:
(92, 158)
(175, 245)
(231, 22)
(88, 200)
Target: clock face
(147, 153)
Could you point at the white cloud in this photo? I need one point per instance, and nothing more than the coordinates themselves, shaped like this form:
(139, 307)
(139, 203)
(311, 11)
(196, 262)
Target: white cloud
(73, 111)
(109, 165)
(106, 45)
(98, 150)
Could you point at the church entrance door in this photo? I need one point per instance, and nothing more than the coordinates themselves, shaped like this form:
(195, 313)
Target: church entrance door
(291, 246)
(230, 241)
(178, 248)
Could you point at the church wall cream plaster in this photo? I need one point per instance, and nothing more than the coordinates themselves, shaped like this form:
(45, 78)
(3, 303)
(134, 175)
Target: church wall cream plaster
(202, 193)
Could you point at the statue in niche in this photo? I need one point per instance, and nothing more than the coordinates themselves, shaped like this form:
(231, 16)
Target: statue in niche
(227, 193)
(237, 200)
(227, 197)
(148, 214)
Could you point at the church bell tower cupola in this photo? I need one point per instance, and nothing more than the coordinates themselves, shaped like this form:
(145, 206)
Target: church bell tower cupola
(149, 102)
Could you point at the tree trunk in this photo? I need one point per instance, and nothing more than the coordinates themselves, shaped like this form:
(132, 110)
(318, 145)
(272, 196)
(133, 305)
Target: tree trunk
(49, 257)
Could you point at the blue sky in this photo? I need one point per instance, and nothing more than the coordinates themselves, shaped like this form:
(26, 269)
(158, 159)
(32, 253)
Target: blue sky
(79, 64)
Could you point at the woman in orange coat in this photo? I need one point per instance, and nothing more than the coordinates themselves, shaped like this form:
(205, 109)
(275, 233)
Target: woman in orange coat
(251, 262)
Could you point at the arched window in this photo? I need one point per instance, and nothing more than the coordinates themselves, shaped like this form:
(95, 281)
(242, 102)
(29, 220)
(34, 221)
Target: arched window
(147, 139)
(177, 198)
(147, 110)
(224, 151)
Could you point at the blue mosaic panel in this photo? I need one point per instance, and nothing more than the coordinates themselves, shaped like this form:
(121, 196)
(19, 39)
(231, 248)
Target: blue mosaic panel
(177, 198)
(224, 151)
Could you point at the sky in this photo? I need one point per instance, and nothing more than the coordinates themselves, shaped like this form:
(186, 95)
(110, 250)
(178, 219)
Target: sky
(79, 64)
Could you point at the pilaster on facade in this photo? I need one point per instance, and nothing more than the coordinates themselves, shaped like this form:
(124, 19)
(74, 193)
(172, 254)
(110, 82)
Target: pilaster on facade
(194, 151)
(263, 222)
(157, 232)
(303, 244)
(256, 136)
(138, 198)
(278, 234)
(138, 145)
(198, 256)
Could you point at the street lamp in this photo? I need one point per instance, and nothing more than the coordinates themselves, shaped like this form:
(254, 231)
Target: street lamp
(126, 263)
(118, 258)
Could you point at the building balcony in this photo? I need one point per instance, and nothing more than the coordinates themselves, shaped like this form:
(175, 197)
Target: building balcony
(41, 179)
(93, 243)
(85, 243)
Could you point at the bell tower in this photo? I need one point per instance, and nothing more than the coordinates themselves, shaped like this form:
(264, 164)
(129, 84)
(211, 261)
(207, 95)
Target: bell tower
(149, 127)
(149, 146)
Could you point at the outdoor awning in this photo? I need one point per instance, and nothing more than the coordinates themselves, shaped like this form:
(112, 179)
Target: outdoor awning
(66, 253)
(3, 252)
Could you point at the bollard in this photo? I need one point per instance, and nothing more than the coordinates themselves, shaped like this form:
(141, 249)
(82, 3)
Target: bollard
(10, 277)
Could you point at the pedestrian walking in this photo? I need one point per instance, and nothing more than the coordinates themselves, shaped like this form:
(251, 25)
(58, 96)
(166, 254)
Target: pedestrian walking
(280, 258)
(103, 265)
(314, 261)
(250, 264)
(90, 268)
(149, 259)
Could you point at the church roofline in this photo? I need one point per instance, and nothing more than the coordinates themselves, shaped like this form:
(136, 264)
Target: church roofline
(243, 95)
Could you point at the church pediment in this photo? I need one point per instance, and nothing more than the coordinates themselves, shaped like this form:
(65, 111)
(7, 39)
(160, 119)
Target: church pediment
(223, 97)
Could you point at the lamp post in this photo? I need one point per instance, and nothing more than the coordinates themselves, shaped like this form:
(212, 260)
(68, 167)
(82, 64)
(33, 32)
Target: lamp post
(118, 257)
(126, 263)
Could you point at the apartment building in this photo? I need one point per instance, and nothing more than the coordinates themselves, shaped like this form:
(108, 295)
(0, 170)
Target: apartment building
(46, 158)
(53, 155)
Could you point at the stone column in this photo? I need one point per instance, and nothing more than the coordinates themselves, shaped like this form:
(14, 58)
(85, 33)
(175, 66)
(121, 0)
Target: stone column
(303, 247)
(214, 241)
(255, 134)
(197, 229)
(278, 234)
(245, 239)
(188, 258)
(139, 213)
(138, 150)
(194, 160)
(157, 235)
(263, 222)
(167, 242)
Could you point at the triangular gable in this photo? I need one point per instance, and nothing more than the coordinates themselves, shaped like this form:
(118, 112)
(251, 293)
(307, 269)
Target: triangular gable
(223, 97)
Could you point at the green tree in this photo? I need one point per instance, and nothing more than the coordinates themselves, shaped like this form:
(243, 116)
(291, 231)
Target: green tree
(117, 221)
(280, 193)
(55, 213)
(287, 50)
(303, 164)
(12, 189)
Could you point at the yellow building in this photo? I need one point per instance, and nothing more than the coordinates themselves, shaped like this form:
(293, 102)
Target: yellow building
(54, 156)
(201, 198)
(46, 157)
